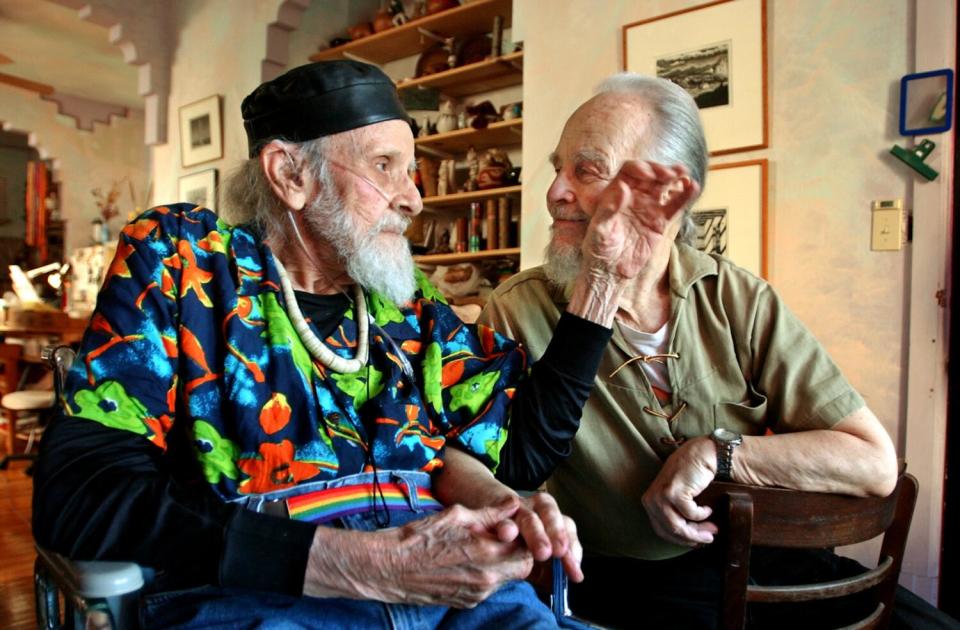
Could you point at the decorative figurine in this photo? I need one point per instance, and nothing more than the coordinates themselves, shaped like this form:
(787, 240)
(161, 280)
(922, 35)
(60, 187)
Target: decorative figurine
(493, 169)
(482, 114)
(450, 47)
(359, 31)
(443, 243)
(396, 10)
(436, 6)
(382, 21)
(446, 178)
(473, 170)
(447, 121)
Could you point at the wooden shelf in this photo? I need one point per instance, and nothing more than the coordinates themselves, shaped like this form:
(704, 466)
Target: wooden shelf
(498, 134)
(459, 199)
(402, 41)
(482, 76)
(463, 257)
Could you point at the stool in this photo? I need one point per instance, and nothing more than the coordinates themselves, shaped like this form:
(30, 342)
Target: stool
(21, 402)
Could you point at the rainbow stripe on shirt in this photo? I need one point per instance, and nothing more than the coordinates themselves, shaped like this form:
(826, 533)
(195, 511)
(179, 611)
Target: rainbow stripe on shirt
(325, 505)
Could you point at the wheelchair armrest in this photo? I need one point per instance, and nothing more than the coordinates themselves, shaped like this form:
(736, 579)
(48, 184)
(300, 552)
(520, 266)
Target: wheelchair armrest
(92, 579)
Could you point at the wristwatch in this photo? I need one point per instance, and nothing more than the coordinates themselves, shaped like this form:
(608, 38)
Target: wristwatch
(726, 440)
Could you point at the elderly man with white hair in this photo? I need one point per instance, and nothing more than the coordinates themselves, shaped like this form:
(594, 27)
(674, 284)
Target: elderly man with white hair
(708, 376)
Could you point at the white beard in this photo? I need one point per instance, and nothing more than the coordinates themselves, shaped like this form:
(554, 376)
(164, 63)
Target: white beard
(374, 261)
(563, 264)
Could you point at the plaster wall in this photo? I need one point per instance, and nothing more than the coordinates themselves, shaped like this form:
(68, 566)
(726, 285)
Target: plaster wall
(218, 50)
(833, 105)
(84, 159)
(322, 21)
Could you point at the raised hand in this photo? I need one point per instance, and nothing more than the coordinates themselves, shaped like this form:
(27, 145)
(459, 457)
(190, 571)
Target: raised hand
(632, 215)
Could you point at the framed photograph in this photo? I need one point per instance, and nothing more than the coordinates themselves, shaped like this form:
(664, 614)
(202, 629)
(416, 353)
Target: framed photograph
(201, 131)
(731, 214)
(718, 53)
(199, 189)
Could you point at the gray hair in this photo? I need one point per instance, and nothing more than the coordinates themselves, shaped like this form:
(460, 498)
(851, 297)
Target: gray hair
(676, 136)
(249, 199)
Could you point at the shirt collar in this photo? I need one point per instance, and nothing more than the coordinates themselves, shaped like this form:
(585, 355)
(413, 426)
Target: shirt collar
(687, 266)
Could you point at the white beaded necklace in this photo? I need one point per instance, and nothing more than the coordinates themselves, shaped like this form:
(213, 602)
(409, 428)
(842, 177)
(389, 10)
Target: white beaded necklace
(314, 345)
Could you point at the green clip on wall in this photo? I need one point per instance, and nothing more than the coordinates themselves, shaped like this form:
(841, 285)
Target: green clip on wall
(915, 158)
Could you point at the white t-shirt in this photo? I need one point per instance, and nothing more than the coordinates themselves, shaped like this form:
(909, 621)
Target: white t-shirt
(647, 344)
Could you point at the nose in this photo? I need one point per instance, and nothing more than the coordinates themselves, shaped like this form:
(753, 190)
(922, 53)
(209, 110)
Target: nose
(408, 201)
(560, 190)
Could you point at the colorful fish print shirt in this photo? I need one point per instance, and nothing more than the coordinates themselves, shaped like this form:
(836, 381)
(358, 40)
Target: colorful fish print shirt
(191, 327)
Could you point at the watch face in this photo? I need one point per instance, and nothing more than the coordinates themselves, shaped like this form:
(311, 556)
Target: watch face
(725, 435)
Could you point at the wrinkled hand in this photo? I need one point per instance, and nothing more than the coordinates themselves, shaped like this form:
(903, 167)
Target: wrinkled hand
(546, 532)
(453, 558)
(669, 501)
(632, 214)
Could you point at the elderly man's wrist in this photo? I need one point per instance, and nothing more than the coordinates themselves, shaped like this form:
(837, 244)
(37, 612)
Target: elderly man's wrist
(596, 295)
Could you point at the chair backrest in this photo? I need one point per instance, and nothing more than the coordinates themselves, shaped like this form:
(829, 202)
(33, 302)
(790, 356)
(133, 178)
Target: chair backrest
(776, 517)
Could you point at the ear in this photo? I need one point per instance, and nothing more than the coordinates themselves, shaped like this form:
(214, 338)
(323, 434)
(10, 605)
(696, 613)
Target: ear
(291, 184)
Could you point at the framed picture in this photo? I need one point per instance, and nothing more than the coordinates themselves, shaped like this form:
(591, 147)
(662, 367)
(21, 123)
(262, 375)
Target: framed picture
(201, 131)
(199, 188)
(718, 53)
(731, 214)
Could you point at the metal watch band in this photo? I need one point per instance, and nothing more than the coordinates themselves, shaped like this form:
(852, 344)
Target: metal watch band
(724, 460)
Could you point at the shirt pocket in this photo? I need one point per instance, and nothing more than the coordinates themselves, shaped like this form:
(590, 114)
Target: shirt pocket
(748, 417)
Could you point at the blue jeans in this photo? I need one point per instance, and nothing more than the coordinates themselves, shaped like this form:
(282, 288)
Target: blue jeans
(515, 605)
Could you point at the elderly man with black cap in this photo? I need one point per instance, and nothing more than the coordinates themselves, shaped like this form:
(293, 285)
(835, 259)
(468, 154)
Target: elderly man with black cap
(285, 420)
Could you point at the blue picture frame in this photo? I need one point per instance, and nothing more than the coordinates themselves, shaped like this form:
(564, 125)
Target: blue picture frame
(922, 97)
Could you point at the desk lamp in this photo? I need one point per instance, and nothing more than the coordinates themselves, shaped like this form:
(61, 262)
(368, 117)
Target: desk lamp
(23, 287)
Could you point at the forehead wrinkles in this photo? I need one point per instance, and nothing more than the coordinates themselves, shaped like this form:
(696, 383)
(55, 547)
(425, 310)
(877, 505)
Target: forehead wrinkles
(371, 139)
(610, 124)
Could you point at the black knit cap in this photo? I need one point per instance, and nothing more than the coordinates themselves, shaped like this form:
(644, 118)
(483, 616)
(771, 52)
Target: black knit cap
(319, 99)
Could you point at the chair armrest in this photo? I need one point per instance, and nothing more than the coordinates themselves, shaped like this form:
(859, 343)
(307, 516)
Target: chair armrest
(92, 579)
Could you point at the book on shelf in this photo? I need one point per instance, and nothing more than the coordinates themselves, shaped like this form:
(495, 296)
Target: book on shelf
(461, 243)
(475, 228)
(503, 222)
(490, 225)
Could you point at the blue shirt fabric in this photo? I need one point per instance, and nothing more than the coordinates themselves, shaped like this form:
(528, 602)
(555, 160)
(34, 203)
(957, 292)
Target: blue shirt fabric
(191, 327)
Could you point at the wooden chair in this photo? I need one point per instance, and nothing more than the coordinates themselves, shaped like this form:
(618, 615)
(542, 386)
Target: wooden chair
(774, 517)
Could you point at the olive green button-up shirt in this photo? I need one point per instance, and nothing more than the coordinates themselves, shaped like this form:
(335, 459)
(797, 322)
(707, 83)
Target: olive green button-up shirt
(745, 362)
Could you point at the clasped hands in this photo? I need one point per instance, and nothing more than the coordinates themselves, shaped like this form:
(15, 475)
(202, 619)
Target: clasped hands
(457, 557)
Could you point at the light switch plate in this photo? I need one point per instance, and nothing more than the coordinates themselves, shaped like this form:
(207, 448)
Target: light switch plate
(887, 232)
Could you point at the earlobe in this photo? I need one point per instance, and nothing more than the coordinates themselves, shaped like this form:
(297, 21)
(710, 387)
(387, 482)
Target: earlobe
(286, 180)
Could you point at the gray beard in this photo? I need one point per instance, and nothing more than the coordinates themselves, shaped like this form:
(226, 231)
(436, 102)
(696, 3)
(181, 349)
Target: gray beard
(562, 265)
(383, 265)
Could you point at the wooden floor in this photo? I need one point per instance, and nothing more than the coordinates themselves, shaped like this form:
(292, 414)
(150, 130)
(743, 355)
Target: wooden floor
(16, 549)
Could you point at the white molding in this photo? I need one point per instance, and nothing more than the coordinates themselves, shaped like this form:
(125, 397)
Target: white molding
(926, 420)
(85, 111)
